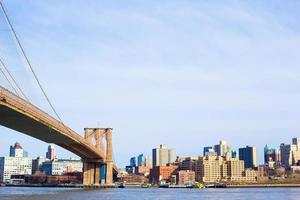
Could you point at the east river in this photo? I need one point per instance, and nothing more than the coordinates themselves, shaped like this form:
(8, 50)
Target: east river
(18, 193)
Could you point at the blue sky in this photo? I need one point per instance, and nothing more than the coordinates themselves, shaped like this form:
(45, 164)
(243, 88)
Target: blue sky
(183, 73)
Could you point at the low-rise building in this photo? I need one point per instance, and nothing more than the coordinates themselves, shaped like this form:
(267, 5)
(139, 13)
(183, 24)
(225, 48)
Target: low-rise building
(295, 169)
(220, 168)
(62, 166)
(184, 177)
(133, 178)
(14, 166)
(164, 173)
(142, 170)
(37, 164)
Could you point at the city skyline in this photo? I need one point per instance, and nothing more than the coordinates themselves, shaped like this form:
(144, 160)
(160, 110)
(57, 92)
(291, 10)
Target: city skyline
(141, 158)
(172, 72)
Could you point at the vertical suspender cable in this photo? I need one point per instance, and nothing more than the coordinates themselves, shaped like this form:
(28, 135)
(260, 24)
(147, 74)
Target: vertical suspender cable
(11, 85)
(13, 79)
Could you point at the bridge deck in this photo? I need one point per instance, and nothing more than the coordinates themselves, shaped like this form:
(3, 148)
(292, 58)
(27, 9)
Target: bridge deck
(22, 116)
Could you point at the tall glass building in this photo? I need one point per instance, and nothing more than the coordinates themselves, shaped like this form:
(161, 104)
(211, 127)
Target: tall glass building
(162, 156)
(141, 160)
(248, 155)
(133, 162)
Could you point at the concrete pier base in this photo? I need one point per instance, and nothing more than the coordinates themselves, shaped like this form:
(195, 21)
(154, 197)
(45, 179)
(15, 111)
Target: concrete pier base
(91, 169)
(91, 173)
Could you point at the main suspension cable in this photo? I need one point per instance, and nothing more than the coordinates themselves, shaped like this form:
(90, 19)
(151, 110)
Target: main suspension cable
(28, 62)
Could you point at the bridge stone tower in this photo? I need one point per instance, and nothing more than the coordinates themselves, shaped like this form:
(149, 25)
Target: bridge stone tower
(101, 138)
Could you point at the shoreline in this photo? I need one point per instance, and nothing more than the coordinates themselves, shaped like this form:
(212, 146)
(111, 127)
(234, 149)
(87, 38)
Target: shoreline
(288, 185)
(294, 185)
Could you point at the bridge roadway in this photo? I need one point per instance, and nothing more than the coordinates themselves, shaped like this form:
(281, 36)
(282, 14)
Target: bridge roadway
(22, 116)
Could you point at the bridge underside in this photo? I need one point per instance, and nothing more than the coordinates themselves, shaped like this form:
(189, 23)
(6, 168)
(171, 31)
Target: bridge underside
(20, 121)
(13, 119)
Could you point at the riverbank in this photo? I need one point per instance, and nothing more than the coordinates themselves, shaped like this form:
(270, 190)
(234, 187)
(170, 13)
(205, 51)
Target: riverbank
(18, 193)
(60, 186)
(139, 186)
(293, 185)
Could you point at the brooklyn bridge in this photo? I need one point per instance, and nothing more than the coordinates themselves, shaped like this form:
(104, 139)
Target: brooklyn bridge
(19, 114)
(95, 148)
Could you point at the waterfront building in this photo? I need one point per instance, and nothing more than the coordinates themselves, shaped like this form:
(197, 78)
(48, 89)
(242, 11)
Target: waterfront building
(214, 169)
(133, 161)
(17, 164)
(185, 177)
(62, 166)
(50, 154)
(162, 156)
(141, 160)
(249, 175)
(249, 156)
(235, 168)
(236, 171)
(295, 169)
(121, 173)
(67, 178)
(133, 178)
(14, 166)
(162, 173)
(262, 172)
(208, 168)
(17, 151)
(223, 149)
(37, 164)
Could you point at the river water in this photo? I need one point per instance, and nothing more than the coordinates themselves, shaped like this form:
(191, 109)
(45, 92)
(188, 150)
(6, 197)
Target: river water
(21, 193)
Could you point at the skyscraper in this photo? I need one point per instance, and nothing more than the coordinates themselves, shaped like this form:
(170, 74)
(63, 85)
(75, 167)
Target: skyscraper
(17, 151)
(50, 154)
(290, 153)
(148, 161)
(270, 154)
(141, 160)
(162, 156)
(223, 149)
(206, 150)
(233, 154)
(296, 141)
(249, 156)
(133, 161)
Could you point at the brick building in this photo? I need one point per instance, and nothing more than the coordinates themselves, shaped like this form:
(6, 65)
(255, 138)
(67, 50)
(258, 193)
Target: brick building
(184, 177)
(158, 173)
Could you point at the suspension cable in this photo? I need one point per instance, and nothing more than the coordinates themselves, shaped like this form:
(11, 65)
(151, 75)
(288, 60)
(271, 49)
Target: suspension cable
(9, 82)
(28, 62)
(13, 79)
